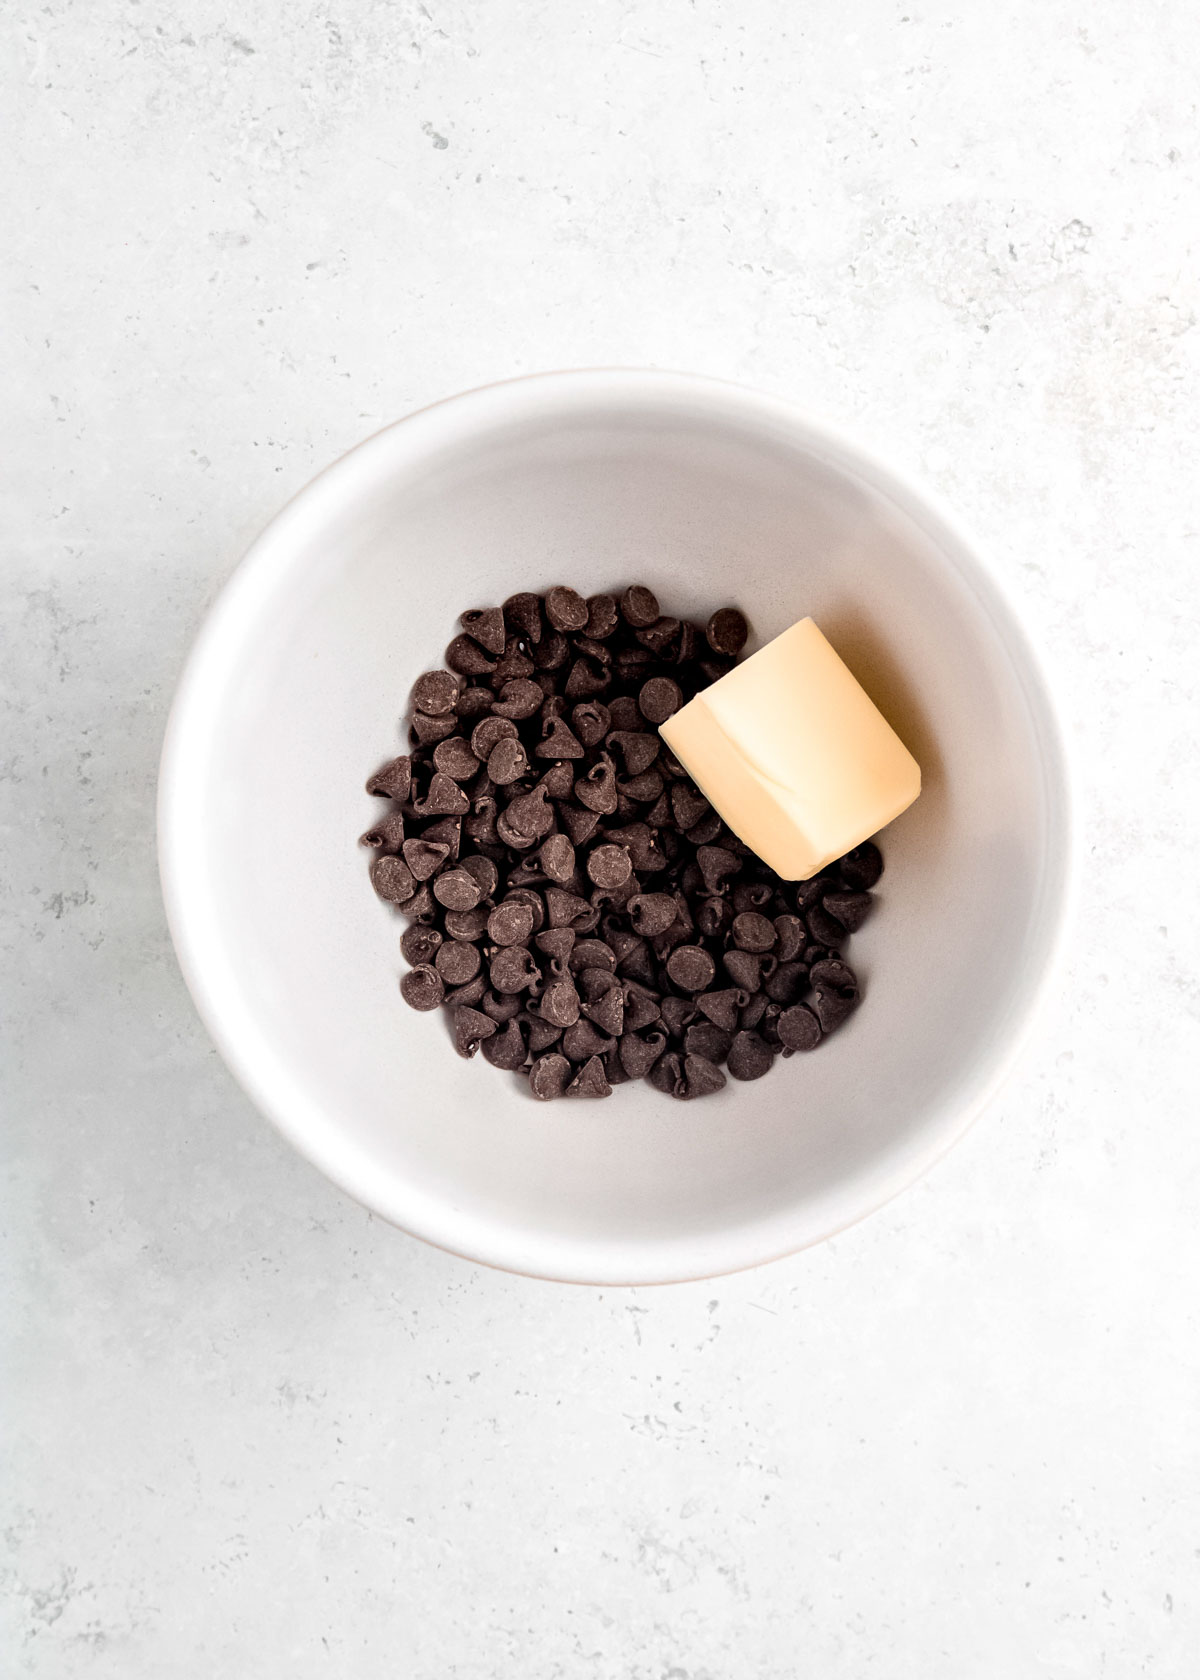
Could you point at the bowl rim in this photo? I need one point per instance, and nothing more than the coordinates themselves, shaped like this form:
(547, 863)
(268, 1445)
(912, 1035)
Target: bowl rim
(191, 712)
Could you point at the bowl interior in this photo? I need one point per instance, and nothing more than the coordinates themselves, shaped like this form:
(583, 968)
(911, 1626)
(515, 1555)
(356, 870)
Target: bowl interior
(296, 690)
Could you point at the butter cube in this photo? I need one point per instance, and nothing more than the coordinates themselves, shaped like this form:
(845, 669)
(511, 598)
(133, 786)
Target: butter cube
(794, 755)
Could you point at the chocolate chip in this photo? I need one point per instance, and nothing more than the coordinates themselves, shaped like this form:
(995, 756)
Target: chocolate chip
(788, 983)
(677, 1014)
(639, 606)
(421, 907)
(608, 1011)
(556, 943)
(473, 702)
(488, 732)
(435, 692)
(590, 1081)
(645, 789)
(530, 815)
(422, 987)
(799, 1029)
(526, 895)
(392, 879)
(427, 729)
(688, 806)
(826, 929)
(507, 1049)
(744, 968)
(540, 1034)
(507, 762)
(467, 658)
(749, 1056)
(565, 609)
(701, 1077)
(727, 631)
(560, 1002)
(590, 721)
(566, 909)
(667, 1074)
(598, 789)
(609, 865)
(624, 715)
(751, 1014)
(486, 626)
(579, 824)
(640, 1051)
(659, 635)
(512, 969)
(444, 799)
(466, 924)
(424, 857)
(387, 835)
(659, 699)
(454, 758)
(721, 1007)
(394, 780)
(651, 913)
(457, 962)
(559, 742)
(751, 895)
(702, 1038)
(549, 1077)
(691, 968)
(523, 616)
(849, 908)
(483, 872)
(419, 944)
(457, 890)
(836, 993)
(861, 868)
(790, 937)
(550, 653)
(519, 698)
(584, 1040)
(510, 923)
(717, 865)
(558, 782)
(602, 617)
(642, 1006)
(752, 932)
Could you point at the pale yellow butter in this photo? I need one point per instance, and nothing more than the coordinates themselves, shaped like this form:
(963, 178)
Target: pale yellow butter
(794, 754)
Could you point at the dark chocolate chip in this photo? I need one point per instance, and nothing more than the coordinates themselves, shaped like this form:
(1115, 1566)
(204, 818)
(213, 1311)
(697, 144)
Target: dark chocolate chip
(640, 1051)
(799, 1029)
(516, 665)
(483, 872)
(651, 913)
(687, 805)
(705, 1039)
(645, 789)
(624, 715)
(560, 1002)
(750, 1016)
(549, 1077)
(424, 857)
(519, 699)
(512, 969)
(468, 659)
(422, 987)
(598, 789)
(558, 782)
(510, 923)
(435, 692)
(550, 653)
(788, 983)
(454, 758)
(504, 1008)
(790, 937)
(677, 1014)
(602, 617)
(727, 631)
(587, 680)
(707, 829)
(642, 1006)
(609, 865)
(639, 606)
(713, 916)
(507, 1049)
(457, 962)
(523, 616)
(826, 929)
(667, 1074)
(488, 732)
(701, 1077)
(456, 889)
(744, 968)
(394, 780)
(530, 815)
(556, 943)
(419, 944)
(540, 1034)
(444, 799)
(592, 954)
(579, 824)
(721, 1007)
(559, 742)
(486, 626)
(659, 635)
(526, 895)
(447, 831)
(387, 835)
(583, 1040)
(507, 763)
(466, 924)
(590, 721)
(427, 729)
(691, 968)
(566, 909)
(849, 908)
(751, 895)
(565, 609)
(422, 907)
(861, 868)
(749, 1056)
(392, 879)
(659, 699)
(752, 931)
(557, 858)
(473, 703)
(590, 1081)
(717, 865)
(608, 1011)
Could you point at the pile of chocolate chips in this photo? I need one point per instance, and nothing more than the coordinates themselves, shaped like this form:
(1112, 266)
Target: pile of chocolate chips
(574, 901)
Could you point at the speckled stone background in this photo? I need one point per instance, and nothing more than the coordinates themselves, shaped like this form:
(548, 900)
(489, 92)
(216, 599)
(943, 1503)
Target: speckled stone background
(250, 1431)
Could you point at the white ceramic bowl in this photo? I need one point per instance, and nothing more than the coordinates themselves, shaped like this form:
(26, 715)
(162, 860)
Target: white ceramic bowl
(710, 494)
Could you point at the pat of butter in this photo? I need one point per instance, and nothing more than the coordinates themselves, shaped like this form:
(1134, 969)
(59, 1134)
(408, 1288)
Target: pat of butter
(794, 755)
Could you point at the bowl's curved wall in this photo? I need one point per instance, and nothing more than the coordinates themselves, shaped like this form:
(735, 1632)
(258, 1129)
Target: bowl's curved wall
(294, 691)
